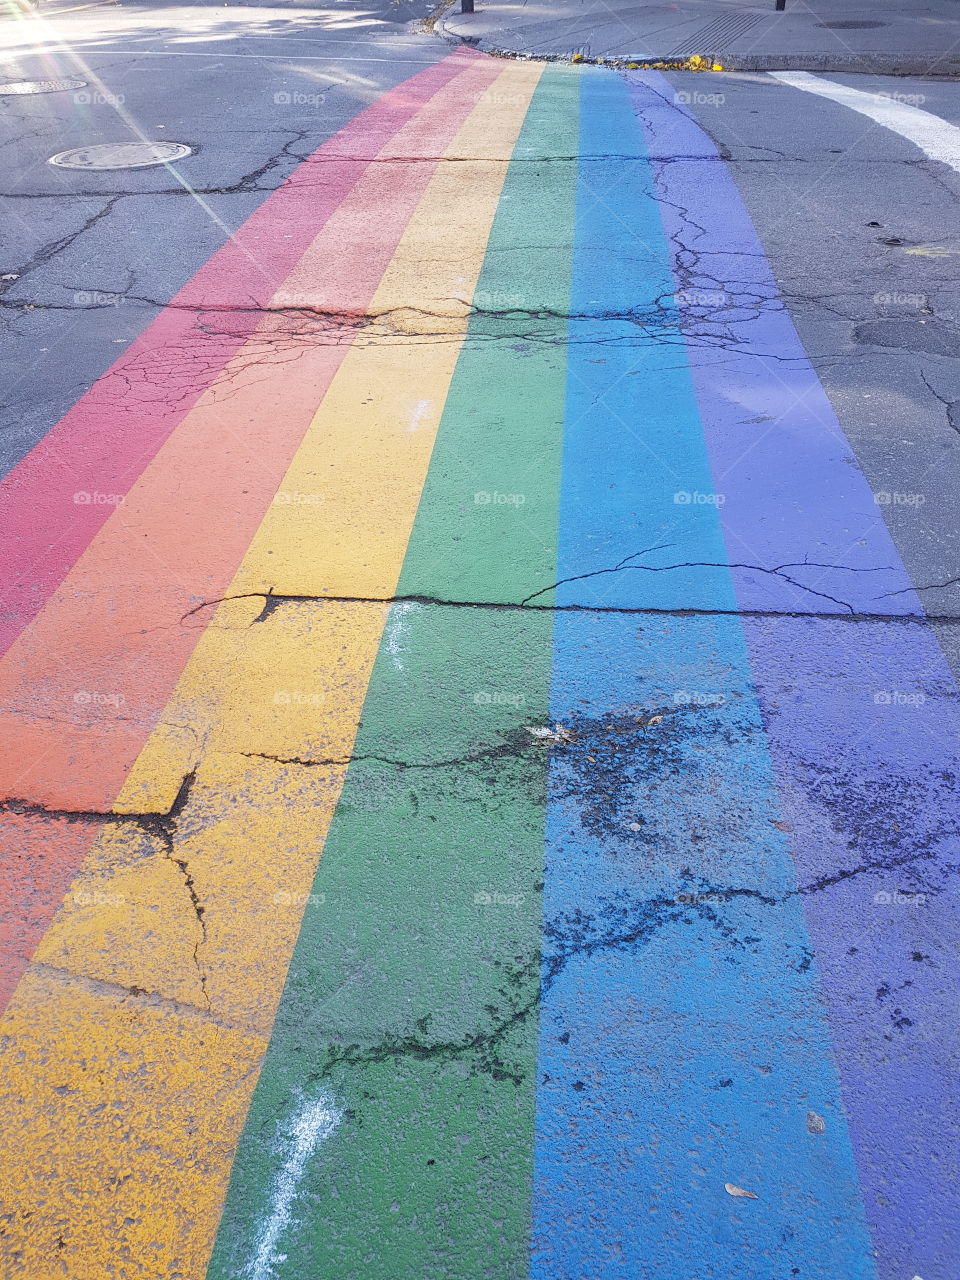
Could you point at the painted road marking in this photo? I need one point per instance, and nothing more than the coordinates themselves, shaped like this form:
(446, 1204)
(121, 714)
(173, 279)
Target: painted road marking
(202, 917)
(415, 1001)
(851, 766)
(84, 686)
(103, 443)
(932, 251)
(938, 139)
(122, 646)
(312, 1125)
(402, 1115)
(664, 1071)
(787, 492)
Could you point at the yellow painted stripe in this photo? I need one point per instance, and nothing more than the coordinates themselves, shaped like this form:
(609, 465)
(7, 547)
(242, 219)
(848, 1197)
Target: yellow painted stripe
(133, 1043)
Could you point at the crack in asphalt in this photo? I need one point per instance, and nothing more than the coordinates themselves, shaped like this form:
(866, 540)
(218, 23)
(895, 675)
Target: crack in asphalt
(930, 586)
(275, 600)
(598, 770)
(655, 324)
(953, 414)
(525, 981)
(54, 247)
(623, 923)
(161, 827)
(152, 999)
(514, 744)
(777, 571)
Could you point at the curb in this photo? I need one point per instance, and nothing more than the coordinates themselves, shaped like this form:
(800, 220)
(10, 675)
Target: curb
(884, 64)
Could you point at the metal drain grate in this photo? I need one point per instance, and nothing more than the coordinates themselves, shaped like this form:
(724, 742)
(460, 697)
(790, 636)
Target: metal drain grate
(716, 35)
(41, 86)
(121, 155)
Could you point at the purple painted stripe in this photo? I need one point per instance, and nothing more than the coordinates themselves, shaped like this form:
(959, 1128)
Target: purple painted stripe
(862, 719)
(791, 489)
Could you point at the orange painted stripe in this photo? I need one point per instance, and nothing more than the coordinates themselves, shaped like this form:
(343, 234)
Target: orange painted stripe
(38, 860)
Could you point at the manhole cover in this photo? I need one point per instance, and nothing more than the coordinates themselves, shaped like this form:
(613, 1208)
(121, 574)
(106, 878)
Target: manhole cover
(41, 86)
(121, 155)
(851, 26)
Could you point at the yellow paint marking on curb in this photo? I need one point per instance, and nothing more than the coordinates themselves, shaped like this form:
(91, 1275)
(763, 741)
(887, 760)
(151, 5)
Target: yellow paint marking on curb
(121, 1109)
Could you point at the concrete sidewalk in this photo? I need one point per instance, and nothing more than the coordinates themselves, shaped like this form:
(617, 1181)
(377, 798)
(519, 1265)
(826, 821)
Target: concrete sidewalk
(922, 38)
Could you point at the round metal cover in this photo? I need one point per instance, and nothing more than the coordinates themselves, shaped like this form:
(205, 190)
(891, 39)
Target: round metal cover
(41, 86)
(851, 26)
(121, 155)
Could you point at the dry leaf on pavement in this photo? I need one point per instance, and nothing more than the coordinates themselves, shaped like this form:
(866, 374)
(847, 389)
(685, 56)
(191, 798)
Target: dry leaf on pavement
(731, 1190)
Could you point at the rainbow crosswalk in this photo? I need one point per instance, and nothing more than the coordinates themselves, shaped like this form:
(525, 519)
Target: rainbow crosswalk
(318, 964)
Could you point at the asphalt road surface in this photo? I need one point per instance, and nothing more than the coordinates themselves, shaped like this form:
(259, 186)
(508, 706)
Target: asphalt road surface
(478, 704)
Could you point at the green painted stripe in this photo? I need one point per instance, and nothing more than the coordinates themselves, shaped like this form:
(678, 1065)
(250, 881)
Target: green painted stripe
(393, 1120)
(487, 524)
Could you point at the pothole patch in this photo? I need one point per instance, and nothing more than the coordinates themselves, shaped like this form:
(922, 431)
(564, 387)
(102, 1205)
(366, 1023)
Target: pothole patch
(121, 155)
(40, 86)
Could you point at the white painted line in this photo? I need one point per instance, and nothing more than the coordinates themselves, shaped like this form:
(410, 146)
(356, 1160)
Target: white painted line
(396, 629)
(313, 1124)
(938, 139)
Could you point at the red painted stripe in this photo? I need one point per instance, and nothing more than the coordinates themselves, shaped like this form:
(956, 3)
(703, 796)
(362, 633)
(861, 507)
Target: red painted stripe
(103, 443)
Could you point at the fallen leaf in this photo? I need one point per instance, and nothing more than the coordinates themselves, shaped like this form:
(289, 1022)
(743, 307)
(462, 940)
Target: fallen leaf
(592, 759)
(655, 720)
(731, 1190)
(781, 826)
(635, 826)
(815, 1123)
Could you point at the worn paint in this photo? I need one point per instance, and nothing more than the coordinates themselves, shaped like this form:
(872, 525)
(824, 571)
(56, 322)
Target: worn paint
(609, 1006)
(868, 790)
(413, 990)
(673, 939)
(84, 686)
(105, 440)
(220, 957)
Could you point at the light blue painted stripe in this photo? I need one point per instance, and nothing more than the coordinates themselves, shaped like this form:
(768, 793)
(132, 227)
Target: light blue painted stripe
(683, 1045)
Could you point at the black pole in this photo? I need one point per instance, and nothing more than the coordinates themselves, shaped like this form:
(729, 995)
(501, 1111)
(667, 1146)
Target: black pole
(466, 6)
(780, 6)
